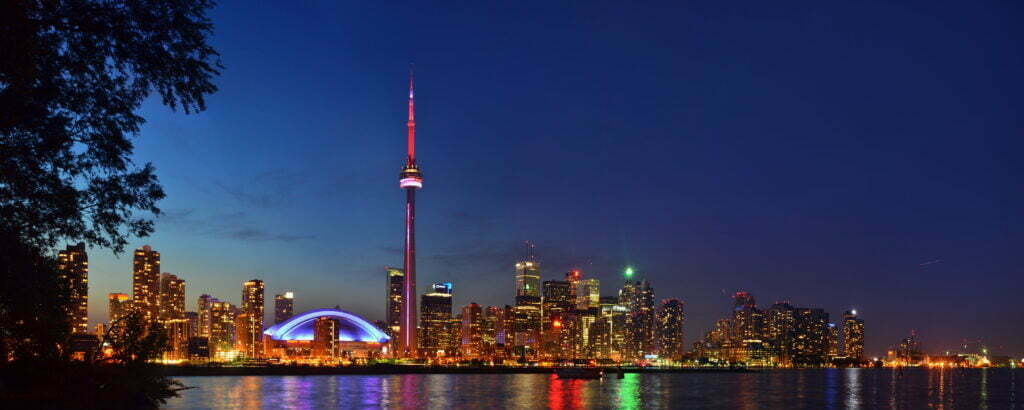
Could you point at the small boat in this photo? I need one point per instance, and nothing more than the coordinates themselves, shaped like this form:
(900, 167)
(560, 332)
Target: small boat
(579, 372)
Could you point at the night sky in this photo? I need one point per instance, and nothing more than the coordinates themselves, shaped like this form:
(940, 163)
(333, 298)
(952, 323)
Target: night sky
(858, 155)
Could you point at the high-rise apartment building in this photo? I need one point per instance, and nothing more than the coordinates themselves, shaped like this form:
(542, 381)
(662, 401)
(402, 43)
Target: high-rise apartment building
(146, 283)
(853, 335)
(193, 323)
(810, 337)
(326, 332)
(616, 315)
(670, 329)
(834, 349)
(393, 313)
(222, 326)
(172, 297)
(641, 320)
(284, 307)
(73, 268)
(778, 330)
(177, 338)
(253, 310)
(119, 304)
(205, 305)
(746, 318)
(435, 319)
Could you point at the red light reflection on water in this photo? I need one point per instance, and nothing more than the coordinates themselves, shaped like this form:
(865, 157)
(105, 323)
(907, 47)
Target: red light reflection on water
(565, 394)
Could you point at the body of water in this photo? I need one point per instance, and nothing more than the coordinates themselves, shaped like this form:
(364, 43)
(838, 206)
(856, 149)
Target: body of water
(791, 389)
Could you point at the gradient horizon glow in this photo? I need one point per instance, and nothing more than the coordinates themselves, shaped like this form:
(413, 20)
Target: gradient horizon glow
(837, 155)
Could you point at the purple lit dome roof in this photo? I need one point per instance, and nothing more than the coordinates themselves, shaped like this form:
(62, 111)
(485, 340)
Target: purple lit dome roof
(352, 328)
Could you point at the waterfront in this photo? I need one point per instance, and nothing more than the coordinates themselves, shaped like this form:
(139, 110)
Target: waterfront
(812, 388)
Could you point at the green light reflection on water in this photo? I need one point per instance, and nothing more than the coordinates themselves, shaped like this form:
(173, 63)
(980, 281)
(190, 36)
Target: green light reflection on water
(629, 391)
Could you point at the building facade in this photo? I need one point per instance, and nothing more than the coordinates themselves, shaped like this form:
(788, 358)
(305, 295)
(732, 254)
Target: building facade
(853, 335)
(222, 326)
(588, 293)
(284, 306)
(253, 310)
(671, 319)
(205, 305)
(146, 283)
(73, 268)
(435, 320)
(172, 297)
(118, 306)
(471, 336)
(393, 313)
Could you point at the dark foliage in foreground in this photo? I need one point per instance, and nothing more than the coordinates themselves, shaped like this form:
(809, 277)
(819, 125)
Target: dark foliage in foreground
(72, 75)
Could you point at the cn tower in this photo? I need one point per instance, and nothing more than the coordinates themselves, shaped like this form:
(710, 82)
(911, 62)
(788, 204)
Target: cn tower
(410, 180)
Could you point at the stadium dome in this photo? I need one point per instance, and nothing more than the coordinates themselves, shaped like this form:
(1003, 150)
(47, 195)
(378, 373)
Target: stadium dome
(352, 328)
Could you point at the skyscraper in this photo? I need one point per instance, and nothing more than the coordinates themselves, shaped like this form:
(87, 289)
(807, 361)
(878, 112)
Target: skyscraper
(472, 330)
(393, 314)
(528, 278)
(436, 316)
(410, 179)
(177, 338)
(527, 320)
(146, 283)
(833, 341)
(641, 320)
(205, 304)
(588, 293)
(853, 335)
(670, 329)
(284, 307)
(172, 297)
(222, 326)
(778, 330)
(73, 268)
(746, 318)
(573, 277)
(252, 311)
(557, 304)
(193, 323)
(119, 304)
(489, 330)
(810, 337)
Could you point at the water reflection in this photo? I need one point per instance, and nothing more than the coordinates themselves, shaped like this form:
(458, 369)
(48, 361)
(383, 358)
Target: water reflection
(984, 389)
(250, 390)
(810, 388)
(629, 391)
(565, 394)
(831, 386)
(853, 393)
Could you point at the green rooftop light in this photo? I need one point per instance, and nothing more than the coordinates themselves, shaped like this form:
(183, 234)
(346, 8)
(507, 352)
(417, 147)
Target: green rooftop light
(629, 271)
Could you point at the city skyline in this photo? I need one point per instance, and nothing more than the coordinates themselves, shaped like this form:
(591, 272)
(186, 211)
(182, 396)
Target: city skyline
(846, 340)
(828, 204)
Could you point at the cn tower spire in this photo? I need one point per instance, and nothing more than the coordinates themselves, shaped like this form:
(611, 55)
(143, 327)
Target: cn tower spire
(412, 119)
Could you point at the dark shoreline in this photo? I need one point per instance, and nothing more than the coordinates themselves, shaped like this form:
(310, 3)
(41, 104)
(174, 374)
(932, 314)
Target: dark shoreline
(391, 369)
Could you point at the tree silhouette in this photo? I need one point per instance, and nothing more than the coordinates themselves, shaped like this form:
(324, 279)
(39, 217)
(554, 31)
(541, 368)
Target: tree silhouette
(72, 75)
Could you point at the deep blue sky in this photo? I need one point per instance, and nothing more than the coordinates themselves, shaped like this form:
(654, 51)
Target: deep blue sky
(837, 155)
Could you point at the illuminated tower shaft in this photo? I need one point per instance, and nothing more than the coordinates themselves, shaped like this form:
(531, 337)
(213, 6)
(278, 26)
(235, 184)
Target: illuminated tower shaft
(410, 180)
